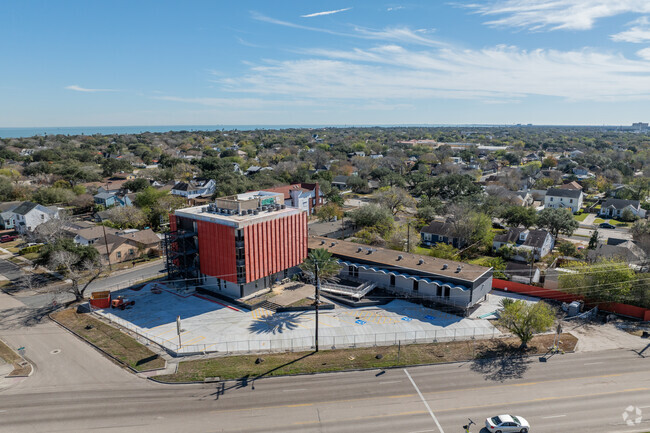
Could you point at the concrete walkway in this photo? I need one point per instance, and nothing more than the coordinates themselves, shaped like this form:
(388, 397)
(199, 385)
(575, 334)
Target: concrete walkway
(589, 221)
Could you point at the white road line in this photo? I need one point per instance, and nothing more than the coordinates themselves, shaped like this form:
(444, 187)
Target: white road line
(592, 363)
(425, 402)
(390, 381)
(643, 407)
(554, 416)
(296, 389)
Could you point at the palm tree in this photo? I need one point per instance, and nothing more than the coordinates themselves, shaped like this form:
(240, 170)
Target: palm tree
(320, 266)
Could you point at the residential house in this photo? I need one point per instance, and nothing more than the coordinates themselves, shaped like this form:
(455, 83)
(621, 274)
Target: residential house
(340, 181)
(127, 246)
(7, 217)
(576, 153)
(539, 241)
(195, 188)
(626, 251)
(28, 216)
(91, 235)
(254, 169)
(110, 199)
(522, 272)
(614, 208)
(582, 172)
(571, 185)
(559, 198)
(304, 196)
(523, 198)
(441, 232)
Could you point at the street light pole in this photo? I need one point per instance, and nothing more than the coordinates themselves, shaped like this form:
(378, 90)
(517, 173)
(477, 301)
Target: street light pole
(317, 302)
(108, 254)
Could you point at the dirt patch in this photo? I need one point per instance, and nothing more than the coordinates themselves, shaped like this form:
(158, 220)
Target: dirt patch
(256, 366)
(21, 367)
(110, 339)
(596, 336)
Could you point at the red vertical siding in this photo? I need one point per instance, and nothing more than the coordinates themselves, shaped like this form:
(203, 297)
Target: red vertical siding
(217, 250)
(273, 246)
(172, 222)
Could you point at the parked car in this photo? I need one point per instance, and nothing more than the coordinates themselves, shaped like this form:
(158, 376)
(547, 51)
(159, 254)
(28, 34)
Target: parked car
(8, 238)
(507, 424)
(606, 226)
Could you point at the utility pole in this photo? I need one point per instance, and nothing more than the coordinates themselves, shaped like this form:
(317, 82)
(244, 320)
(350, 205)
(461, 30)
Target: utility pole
(108, 254)
(408, 236)
(317, 302)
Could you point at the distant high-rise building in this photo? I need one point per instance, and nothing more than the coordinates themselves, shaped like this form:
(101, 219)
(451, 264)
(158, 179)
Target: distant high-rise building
(640, 125)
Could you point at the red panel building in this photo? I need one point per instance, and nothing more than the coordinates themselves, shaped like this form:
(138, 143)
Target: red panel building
(243, 243)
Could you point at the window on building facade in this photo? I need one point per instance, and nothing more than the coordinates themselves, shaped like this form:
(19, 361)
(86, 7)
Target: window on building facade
(447, 292)
(439, 291)
(131, 251)
(119, 254)
(392, 280)
(416, 285)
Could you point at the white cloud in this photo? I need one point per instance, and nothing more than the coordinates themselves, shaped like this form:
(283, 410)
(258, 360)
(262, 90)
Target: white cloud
(318, 14)
(235, 103)
(644, 53)
(395, 8)
(638, 32)
(83, 89)
(556, 14)
(397, 34)
(396, 74)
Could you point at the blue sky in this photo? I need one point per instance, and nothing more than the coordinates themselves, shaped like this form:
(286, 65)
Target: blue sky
(87, 63)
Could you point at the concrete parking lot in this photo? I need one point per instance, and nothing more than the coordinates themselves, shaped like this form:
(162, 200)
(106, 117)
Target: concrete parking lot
(208, 325)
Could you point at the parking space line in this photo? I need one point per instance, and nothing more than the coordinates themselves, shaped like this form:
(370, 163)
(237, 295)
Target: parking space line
(193, 340)
(163, 333)
(176, 336)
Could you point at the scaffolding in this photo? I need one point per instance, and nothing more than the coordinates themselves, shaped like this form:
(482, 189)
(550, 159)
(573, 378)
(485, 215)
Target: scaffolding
(181, 255)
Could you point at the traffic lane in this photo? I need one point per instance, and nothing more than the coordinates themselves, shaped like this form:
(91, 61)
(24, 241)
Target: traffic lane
(133, 276)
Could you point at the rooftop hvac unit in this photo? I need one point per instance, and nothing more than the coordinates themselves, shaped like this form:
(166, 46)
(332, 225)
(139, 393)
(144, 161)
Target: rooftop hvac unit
(205, 209)
(445, 266)
(255, 212)
(283, 206)
(421, 262)
(459, 268)
(322, 242)
(400, 257)
(249, 212)
(332, 244)
(359, 249)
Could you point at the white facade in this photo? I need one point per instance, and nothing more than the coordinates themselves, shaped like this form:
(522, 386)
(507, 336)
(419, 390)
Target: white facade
(556, 202)
(27, 223)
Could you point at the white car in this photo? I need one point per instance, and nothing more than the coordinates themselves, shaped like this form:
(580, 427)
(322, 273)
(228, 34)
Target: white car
(507, 423)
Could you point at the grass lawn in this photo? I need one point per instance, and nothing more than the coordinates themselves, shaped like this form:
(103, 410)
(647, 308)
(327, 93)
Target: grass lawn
(304, 302)
(611, 221)
(421, 250)
(236, 367)
(12, 357)
(110, 340)
(581, 217)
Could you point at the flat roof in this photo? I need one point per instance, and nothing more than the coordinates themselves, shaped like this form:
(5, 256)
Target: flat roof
(390, 259)
(237, 221)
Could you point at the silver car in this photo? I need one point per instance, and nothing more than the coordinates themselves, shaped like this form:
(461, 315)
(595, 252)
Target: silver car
(507, 424)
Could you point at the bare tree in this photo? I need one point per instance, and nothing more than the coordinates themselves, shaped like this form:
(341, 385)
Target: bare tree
(52, 229)
(395, 199)
(80, 272)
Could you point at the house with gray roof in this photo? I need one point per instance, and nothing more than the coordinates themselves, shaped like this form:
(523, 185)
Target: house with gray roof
(540, 242)
(29, 215)
(7, 217)
(560, 198)
(614, 208)
(195, 188)
(439, 232)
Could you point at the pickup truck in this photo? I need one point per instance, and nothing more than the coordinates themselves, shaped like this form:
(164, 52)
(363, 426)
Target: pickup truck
(8, 238)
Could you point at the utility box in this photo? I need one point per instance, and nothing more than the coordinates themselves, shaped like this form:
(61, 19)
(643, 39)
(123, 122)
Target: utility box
(574, 308)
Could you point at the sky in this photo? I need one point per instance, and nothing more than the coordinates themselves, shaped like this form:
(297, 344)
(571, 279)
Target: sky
(110, 63)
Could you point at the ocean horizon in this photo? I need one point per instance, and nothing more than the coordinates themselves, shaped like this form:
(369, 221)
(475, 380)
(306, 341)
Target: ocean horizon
(22, 132)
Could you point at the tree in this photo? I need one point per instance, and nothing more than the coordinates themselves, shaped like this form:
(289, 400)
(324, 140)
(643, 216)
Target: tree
(519, 216)
(628, 215)
(524, 319)
(319, 266)
(159, 212)
(557, 220)
(356, 184)
(78, 263)
(549, 162)
(371, 215)
(567, 249)
(444, 251)
(395, 199)
(136, 185)
(641, 235)
(593, 240)
(455, 187)
(148, 197)
(329, 211)
(127, 217)
(607, 280)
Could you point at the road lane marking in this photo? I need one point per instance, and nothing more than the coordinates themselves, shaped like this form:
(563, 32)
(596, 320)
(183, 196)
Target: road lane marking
(593, 363)
(390, 381)
(362, 418)
(300, 405)
(554, 416)
(424, 401)
(296, 389)
(483, 388)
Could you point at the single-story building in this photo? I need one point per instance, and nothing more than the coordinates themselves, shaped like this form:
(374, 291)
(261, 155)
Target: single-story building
(614, 208)
(453, 284)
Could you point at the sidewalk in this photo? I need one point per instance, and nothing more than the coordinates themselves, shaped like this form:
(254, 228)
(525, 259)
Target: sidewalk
(589, 221)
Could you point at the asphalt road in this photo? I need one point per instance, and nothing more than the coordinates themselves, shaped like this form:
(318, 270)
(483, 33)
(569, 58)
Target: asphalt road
(77, 390)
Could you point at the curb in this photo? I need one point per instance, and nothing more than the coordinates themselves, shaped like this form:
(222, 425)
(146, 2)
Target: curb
(100, 350)
(31, 364)
(201, 382)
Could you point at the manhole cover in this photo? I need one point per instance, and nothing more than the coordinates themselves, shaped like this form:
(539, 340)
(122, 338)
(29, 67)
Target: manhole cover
(55, 351)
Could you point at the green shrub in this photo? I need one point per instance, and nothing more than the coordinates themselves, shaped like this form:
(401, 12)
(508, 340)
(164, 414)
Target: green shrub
(32, 249)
